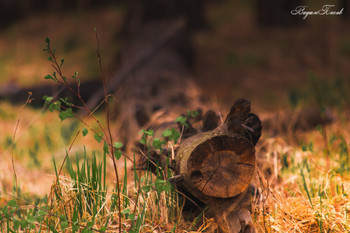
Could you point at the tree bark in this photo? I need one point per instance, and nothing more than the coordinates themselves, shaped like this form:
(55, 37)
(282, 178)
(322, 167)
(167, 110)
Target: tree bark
(216, 167)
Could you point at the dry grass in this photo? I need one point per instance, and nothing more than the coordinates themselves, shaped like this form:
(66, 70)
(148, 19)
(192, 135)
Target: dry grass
(40, 137)
(300, 188)
(299, 193)
(160, 211)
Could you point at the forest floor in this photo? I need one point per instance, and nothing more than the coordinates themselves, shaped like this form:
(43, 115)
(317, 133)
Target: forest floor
(305, 176)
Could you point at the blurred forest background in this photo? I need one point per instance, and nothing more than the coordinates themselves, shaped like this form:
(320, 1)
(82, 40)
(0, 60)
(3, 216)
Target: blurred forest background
(255, 49)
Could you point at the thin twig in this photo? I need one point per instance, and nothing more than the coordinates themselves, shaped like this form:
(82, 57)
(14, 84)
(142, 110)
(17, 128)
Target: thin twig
(68, 87)
(111, 147)
(14, 137)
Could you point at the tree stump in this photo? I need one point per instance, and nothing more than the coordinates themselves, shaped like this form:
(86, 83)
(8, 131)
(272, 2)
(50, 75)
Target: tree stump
(215, 167)
(216, 164)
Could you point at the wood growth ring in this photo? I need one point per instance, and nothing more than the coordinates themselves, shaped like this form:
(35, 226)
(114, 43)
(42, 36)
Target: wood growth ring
(222, 166)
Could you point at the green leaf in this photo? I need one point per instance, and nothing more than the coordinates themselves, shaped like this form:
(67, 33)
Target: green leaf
(86, 230)
(55, 106)
(12, 203)
(31, 219)
(42, 213)
(50, 59)
(75, 76)
(47, 98)
(75, 227)
(157, 143)
(75, 216)
(52, 228)
(146, 188)
(175, 135)
(4, 209)
(85, 131)
(182, 120)
(125, 211)
(118, 154)
(38, 218)
(192, 113)
(66, 114)
(62, 61)
(145, 134)
(131, 216)
(149, 132)
(65, 101)
(143, 140)
(90, 224)
(167, 133)
(51, 107)
(162, 185)
(49, 77)
(47, 40)
(16, 224)
(98, 137)
(24, 224)
(64, 222)
(171, 134)
(118, 145)
(64, 225)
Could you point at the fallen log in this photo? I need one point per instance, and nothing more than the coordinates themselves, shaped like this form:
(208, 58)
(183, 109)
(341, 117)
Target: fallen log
(216, 167)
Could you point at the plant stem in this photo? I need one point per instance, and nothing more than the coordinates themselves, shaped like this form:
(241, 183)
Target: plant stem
(109, 136)
(14, 137)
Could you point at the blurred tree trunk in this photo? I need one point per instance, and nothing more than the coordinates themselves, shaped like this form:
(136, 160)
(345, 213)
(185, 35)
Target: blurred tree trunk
(346, 13)
(277, 13)
(216, 166)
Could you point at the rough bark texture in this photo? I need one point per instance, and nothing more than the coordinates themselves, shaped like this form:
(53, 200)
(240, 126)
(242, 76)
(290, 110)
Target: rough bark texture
(215, 167)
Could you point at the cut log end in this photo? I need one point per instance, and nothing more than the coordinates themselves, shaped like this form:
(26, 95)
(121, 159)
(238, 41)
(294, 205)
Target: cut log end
(222, 166)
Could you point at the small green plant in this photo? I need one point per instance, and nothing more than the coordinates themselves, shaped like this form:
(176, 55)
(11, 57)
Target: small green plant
(65, 109)
(81, 202)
